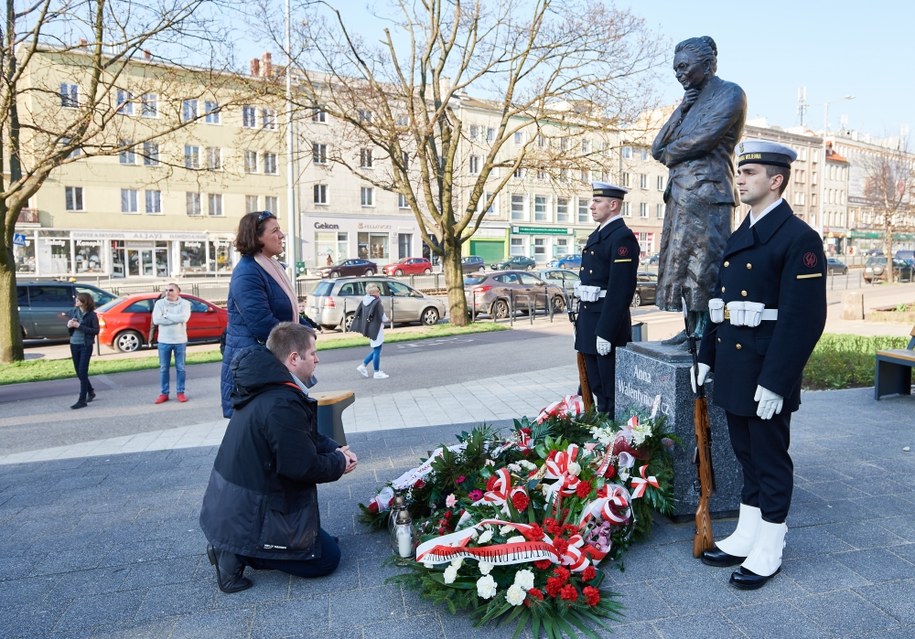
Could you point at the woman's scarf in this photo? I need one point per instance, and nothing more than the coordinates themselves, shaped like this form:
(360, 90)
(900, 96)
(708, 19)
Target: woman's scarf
(275, 270)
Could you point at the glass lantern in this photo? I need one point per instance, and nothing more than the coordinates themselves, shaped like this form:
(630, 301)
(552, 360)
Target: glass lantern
(397, 504)
(403, 538)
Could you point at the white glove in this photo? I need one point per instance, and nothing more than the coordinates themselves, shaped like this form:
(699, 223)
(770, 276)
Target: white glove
(698, 375)
(603, 346)
(769, 403)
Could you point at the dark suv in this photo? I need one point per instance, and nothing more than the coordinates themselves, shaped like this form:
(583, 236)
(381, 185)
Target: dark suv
(472, 264)
(45, 306)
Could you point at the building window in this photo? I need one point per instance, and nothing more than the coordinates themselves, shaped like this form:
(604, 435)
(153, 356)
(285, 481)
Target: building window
(405, 160)
(268, 118)
(659, 211)
(660, 182)
(519, 173)
(128, 200)
(251, 204)
(319, 115)
(365, 158)
(151, 153)
(74, 198)
(539, 251)
(474, 131)
(149, 105)
(127, 155)
(516, 246)
(367, 196)
(319, 153)
(320, 194)
(211, 112)
(627, 152)
(402, 201)
(626, 212)
(192, 203)
(643, 210)
(249, 116)
(584, 213)
(153, 202)
(562, 209)
(643, 180)
(69, 95)
(490, 134)
(540, 204)
(125, 102)
(270, 163)
(271, 203)
(250, 161)
(519, 137)
(585, 147)
(626, 179)
(541, 175)
(188, 110)
(214, 158)
(541, 141)
(517, 207)
(191, 156)
(364, 115)
(486, 198)
(214, 204)
(474, 164)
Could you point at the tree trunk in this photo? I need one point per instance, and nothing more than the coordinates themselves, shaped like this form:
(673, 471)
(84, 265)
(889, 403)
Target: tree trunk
(10, 330)
(454, 280)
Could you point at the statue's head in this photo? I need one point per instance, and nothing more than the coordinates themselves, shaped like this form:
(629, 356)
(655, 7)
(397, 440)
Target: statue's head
(695, 61)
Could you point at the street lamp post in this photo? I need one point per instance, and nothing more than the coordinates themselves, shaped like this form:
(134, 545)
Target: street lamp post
(821, 222)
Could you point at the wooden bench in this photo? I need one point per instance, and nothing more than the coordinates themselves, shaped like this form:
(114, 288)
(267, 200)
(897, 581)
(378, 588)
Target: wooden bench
(893, 370)
(331, 405)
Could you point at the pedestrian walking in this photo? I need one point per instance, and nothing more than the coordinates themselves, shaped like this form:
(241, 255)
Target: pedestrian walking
(83, 327)
(171, 314)
(369, 320)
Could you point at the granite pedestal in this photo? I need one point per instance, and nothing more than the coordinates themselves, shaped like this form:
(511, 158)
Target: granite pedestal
(645, 370)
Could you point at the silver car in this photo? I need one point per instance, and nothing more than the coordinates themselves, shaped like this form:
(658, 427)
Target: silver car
(501, 292)
(333, 303)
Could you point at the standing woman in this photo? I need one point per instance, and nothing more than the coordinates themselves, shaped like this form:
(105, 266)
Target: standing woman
(260, 293)
(83, 327)
(371, 318)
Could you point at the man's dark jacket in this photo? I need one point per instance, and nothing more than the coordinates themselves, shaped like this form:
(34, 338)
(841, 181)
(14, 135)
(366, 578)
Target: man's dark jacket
(262, 499)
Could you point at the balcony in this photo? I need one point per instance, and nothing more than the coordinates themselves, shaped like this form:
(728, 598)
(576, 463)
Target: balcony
(28, 217)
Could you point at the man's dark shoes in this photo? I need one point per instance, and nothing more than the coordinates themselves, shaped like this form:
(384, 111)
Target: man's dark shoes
(720, 559)
(79, 404)
(91, 396)
(228, 570)
(749, 580)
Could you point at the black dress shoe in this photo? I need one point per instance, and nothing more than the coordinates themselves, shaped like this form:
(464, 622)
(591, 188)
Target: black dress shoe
(91, 396)
(720, 559)
(228, 570)
(749, 580)
(79, 404)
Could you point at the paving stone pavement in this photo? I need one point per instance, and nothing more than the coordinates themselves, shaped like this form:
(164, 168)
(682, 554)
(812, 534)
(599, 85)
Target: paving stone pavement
(108, 546)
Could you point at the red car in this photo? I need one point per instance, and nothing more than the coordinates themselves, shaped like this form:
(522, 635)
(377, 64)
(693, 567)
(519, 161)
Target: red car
(125, 323)
(409, 266)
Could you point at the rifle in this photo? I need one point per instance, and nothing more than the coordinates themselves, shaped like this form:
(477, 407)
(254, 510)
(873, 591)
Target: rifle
(702, 456)
(587, 397)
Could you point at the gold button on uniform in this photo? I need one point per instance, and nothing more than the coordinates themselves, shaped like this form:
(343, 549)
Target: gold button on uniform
(726, 264)
(738, 346)
(719, 340)
(722, 289)
(749, 266)
(743, 293)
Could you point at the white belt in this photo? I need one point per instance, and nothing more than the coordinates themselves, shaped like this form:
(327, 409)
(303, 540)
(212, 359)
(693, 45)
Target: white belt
(589, 293)
(767, 315)
(740, 313)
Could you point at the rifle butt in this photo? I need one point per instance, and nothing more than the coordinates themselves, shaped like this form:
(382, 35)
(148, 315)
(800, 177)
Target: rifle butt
(586, 396)
(703, 540)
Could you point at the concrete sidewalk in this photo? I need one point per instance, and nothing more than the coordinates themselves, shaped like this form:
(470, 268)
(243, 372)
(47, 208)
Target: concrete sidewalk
(104, 542)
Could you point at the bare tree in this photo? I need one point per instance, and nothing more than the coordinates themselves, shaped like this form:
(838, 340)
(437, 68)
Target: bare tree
(107, 46)
(890, 193)
(552, 71)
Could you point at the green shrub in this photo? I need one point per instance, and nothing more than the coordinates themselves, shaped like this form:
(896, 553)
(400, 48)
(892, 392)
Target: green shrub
(845, 361)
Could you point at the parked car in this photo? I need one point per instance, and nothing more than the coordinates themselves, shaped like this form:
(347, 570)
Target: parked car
(498, 292)
(354, 266)
(875, 269)
(562, 278)
(646, 289)
(333, 303)
(905, 254)
(515, 262)
(126, 322)
(472, 264)
(44, 306)
(568, 261)
(650, 259)
(835, 266)
(409, 266)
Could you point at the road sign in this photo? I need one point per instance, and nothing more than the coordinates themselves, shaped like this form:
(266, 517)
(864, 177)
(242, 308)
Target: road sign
(19, 239)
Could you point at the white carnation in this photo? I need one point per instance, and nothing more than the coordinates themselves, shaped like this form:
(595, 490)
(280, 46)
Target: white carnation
(485, 536)
(485, 568)
(457, 562)
(515, 595)
(575, 469)
(515, 469)
(450, 574)
(486, 587)
(525, 579)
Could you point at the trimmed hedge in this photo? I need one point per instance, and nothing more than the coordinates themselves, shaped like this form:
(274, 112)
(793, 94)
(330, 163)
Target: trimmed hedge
(845, 361)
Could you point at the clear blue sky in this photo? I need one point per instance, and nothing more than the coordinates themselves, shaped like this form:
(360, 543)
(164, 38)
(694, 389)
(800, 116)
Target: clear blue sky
(862, 48)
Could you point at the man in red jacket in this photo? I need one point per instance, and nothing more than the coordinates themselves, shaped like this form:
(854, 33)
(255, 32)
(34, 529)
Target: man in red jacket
(261, 508)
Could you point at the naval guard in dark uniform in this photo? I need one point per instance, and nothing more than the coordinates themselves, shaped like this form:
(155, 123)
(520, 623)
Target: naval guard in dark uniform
(768, 317)
(609, 266)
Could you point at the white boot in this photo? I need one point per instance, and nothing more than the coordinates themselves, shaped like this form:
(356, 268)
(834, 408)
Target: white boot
(765, 559)
(740, 542)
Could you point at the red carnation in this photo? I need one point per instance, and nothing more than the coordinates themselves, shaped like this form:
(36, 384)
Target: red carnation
(552, 526)
(535, 593)
(419, 483)
(588, 573)
(569, 592)
(569, 529)
(562, 573)
(554, 586)
(543, 564)
(561, 545)
(373, 507)
(520, 500)
(592, 595)
(583, 489)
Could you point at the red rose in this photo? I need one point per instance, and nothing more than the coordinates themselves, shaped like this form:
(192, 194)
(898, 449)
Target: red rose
(569, 592)
(543, 564)
(520, 500)
(588, 573)
(583, 489)
(592, 595)
(533, 533)
(554, 586)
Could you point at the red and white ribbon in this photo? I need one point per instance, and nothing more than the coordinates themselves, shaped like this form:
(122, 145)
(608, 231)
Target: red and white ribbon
(409, 478)
(557, 467)
(571, 405)
(499, 491)
(640, 484)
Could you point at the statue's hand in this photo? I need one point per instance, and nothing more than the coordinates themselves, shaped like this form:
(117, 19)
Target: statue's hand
(689, 98)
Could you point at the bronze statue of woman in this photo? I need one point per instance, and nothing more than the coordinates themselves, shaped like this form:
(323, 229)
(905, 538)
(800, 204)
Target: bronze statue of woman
(697, 145)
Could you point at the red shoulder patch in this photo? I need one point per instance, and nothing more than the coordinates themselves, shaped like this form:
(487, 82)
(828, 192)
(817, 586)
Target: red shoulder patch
(622, 251)
(809, 259)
